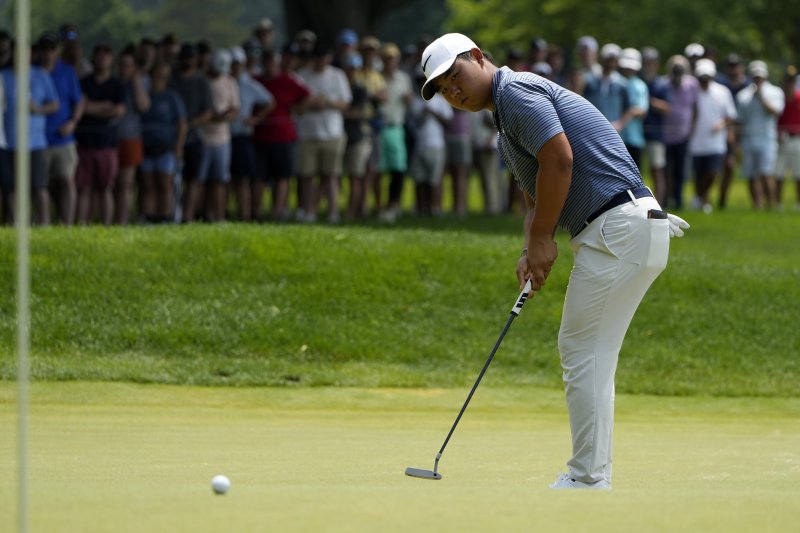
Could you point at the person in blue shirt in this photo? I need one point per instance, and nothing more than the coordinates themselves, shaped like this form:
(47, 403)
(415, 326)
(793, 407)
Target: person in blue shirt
(576, 174)
(43, 101)
(61, 156)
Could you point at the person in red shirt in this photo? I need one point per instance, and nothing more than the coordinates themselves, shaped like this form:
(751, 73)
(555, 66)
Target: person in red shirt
(789, 136)
(275, 137)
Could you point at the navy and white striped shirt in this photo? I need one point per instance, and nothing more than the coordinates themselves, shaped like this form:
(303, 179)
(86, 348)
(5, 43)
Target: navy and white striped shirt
(529, 111)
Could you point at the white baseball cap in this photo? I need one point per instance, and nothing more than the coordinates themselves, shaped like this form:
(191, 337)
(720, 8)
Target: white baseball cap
(630, 58)
(758, 69)
(610, 50)
(439, 56)
(705, 67)
(694, 50)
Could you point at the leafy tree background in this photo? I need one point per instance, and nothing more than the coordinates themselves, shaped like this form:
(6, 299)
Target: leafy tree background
(767, 29)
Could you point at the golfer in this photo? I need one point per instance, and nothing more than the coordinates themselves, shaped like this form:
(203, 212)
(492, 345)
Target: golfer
(576, 174)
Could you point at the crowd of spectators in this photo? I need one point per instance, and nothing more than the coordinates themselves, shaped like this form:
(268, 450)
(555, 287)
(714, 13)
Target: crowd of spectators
(164, 131)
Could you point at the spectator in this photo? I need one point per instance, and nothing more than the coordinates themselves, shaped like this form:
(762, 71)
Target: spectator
(429, 157)
(146, 57)
(516, 61)
(255, 103)
(253, 51)
(458, 142)
(98, 157)
(359, 138)
(587, 61)
(306, 42)
(320, 127)
(163, 134)
(759, 107)
(129, 131)
(169, 51)
(6, 179)
(660, 94)
(216, 134)
(694, 52)
(346, 46)
(43, 101)
(276, 136)
(555, 58)
(72, 51)
(609, 91)
(543, 69)
(678, 127)
(715, 112)
(537, 52)
(393, 153)
(375, 84)
(264, 33)
(789, 136)
(485, 158)
(204, 54)
(61, 156)
(735, 80)
(632, 122)
(195, 92)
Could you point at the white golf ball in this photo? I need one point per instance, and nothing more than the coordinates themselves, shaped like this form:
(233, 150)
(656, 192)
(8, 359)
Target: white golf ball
(220, 484)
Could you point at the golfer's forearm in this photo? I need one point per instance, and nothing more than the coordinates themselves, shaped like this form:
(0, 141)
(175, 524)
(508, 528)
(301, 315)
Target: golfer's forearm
(551, 193)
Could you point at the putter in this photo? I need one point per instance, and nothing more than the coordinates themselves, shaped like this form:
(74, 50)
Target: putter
(434, 474)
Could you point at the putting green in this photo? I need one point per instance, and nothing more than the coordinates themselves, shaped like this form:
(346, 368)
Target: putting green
(121, 457)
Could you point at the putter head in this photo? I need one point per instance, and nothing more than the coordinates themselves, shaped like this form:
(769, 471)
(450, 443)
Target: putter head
(423, 474)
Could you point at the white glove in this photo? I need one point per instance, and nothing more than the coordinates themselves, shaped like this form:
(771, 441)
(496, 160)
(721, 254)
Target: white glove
(676, 225)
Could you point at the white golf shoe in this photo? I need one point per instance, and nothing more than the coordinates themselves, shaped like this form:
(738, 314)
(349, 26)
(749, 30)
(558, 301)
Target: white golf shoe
(564, 481)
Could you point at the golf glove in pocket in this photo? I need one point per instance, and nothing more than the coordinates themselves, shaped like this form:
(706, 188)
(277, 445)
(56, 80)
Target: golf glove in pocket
(677, 225)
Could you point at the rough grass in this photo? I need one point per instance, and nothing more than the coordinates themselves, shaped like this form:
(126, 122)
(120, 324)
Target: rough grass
(415, 305)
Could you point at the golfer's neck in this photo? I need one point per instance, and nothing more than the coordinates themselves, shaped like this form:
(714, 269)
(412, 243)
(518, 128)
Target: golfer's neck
(491, 70)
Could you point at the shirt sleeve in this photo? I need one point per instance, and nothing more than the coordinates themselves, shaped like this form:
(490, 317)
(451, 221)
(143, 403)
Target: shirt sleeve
(529, 116)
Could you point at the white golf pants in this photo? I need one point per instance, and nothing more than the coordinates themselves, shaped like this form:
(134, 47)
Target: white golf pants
(617, 258)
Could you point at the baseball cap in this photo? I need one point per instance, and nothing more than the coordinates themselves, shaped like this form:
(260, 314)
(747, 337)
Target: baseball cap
(694, 50)
(353, 61)
(542, 68)
(264, 24)
(238, 55)
(610, 50)
(649, 53)
(390, 50)
(630, 59)
(587, 41)
(347, 36)
(758, 69)
(705, 67)
(440, 55)
(370, 42)
(48, 41)
(221, 60)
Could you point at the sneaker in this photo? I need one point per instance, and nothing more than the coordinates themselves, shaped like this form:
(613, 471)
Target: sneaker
(564, 481)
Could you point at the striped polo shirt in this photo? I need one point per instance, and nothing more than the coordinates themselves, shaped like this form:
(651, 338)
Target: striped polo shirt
(529, 111)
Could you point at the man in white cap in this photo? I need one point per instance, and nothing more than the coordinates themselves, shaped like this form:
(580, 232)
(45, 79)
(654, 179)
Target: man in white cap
(632, 122)
(714, 113)
(576, 174)
(759, 105)
(609, 91)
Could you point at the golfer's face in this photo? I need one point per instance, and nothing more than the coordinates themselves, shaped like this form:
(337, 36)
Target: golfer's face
(461, 86)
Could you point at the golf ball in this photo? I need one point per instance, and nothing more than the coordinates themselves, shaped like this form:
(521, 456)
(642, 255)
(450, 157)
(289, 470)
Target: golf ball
(220, 484)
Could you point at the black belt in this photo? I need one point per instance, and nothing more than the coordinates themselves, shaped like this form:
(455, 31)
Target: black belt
(619, 199)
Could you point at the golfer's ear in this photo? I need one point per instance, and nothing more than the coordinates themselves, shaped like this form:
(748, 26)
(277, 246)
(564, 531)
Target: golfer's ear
(477, 55)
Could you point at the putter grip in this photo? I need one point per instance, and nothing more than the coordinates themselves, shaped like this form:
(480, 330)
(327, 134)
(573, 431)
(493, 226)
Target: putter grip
(521, 299)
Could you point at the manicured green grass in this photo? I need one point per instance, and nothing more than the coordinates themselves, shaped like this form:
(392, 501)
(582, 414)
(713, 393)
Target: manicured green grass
(123, 457)
(418, 304)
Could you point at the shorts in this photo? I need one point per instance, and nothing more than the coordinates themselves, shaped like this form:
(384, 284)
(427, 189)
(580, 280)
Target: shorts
(321, 158)
(243, 157)
(758, 159)
(788, 158)
(6, 174)
(97, 168)
(61, 161)
(165, 163)
(131, 152)
(427, 165)
(656, 154)
(216, 165)
(707, 164)
(393, 156)
(194, 155)
(459, 150)
(356, 157)
(375, 154)
(38, 173)
(276, 161)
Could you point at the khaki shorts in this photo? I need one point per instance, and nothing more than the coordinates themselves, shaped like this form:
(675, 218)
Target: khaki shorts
(788, 158)
(656, 154)
(321, 158)
(356, 158)
(61, 162)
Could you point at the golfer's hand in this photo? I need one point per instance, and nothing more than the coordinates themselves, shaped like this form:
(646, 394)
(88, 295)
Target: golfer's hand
(536, 264)
(676, 225)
